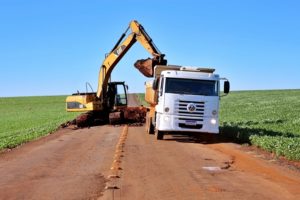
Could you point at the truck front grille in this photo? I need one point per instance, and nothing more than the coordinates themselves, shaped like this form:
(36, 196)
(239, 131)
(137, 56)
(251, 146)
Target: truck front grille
(184, 113)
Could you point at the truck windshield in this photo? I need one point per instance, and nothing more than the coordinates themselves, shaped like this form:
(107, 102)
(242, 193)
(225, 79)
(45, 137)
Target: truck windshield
(191, 87)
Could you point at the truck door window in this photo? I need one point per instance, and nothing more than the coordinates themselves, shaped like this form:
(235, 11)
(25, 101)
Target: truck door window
(161, 85)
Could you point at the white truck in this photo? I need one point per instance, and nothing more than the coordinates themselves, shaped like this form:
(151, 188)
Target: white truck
(183, 99)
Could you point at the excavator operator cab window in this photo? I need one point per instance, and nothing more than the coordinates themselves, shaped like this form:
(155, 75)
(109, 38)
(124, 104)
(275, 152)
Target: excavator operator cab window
(121, 96)
(116, 94)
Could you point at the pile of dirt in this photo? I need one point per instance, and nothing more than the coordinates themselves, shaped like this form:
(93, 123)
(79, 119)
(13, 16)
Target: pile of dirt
(135, 114)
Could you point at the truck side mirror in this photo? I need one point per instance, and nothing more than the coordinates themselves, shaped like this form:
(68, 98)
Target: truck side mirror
(155, 84)
(226, 87)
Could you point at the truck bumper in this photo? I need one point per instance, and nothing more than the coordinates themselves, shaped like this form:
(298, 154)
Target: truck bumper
(172, 123)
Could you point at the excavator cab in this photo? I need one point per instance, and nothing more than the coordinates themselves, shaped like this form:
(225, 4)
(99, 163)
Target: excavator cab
(116, 98)
(99, 112)
(116, 95)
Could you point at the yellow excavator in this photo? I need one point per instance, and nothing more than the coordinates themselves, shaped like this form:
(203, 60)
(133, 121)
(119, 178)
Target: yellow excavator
(109, 103)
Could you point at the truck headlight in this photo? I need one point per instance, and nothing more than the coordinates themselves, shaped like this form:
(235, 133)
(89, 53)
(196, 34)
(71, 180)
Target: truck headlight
(213, 121)
(167, 109)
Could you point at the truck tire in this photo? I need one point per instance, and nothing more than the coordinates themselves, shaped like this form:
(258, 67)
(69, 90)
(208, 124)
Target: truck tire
(151, 127)
(149, 124)
(160, 135)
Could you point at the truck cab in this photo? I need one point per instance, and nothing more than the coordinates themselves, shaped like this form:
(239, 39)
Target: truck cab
(186, 100)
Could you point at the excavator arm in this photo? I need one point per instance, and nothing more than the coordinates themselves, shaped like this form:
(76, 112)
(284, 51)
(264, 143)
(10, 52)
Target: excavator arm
(138, 33)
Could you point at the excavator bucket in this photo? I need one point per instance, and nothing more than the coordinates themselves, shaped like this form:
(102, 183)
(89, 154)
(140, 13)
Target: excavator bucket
(145, 66)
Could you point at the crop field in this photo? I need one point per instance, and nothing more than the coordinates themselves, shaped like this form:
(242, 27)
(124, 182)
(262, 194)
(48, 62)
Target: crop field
(141, 99)
(267, 119)
(25, 118)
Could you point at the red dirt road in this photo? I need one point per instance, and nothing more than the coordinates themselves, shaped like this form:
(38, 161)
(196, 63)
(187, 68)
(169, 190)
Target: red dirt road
(180, 168)
(76, 164)
(70, 164)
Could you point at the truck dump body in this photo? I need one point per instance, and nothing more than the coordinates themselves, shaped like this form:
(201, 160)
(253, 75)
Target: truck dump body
(150, 95)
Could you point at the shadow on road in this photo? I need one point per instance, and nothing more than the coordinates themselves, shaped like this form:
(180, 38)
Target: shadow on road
(202, 138)
(228, 134)
(241, 134)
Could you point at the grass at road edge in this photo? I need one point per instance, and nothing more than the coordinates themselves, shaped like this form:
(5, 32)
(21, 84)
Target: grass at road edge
(27, 118)
(141, 99)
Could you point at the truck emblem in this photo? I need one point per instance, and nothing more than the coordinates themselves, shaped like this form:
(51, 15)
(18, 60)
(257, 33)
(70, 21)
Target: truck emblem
(191, 107)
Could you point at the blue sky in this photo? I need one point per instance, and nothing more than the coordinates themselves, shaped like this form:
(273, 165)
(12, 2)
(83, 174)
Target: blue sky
(54, 47)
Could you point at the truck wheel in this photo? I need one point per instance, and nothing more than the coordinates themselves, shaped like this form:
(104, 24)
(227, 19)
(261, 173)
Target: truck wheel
(160, 135)
(147, 125)
(151, 127)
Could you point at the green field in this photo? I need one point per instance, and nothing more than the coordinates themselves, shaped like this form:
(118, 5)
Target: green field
(267, 119)
(141, 98)
(25, 118)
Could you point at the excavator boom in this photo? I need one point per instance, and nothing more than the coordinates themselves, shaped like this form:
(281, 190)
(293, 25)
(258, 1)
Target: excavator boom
(139, 34)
